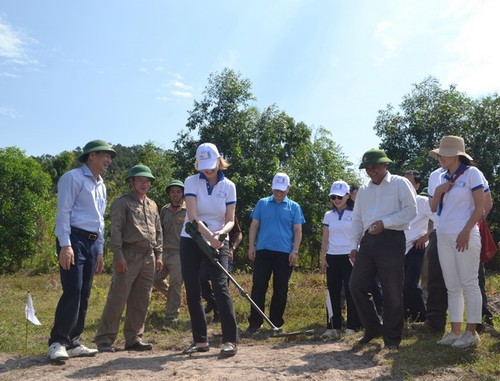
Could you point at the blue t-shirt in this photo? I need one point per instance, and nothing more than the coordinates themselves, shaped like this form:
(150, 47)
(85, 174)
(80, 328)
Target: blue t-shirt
(276, 222)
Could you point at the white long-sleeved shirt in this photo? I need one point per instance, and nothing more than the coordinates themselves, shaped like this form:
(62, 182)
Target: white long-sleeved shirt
(81, 203)
(392, 201)
(420, 224)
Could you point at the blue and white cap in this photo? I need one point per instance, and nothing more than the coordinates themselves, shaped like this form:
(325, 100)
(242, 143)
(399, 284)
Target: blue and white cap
(281, 181)
(339, 188)
(207, 155)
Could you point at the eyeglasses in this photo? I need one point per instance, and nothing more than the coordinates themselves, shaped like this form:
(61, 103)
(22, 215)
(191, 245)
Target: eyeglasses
(336, 197)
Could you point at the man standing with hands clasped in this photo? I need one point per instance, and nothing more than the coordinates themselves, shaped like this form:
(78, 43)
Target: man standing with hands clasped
(81, 202)
(273, 245)
(137, 245)
(382, 211)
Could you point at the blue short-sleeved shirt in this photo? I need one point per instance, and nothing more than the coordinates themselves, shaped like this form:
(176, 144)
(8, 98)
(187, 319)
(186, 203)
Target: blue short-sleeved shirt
(276, 222)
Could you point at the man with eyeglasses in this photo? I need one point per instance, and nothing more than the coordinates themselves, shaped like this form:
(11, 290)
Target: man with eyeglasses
(383, 209)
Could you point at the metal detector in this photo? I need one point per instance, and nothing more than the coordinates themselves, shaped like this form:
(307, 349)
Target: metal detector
(213, 255)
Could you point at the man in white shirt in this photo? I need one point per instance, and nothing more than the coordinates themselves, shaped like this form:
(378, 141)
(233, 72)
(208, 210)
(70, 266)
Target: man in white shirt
(383, 209)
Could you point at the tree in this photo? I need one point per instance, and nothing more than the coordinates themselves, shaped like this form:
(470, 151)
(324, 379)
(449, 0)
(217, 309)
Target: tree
(430, 112)
(26, 209)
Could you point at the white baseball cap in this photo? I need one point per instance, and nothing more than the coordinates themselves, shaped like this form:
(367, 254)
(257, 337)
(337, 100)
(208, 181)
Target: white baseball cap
(207, 155)
(339, 188)
(281, 181)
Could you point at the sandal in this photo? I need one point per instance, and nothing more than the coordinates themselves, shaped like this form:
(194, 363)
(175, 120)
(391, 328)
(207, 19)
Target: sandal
(228, 349)
(193, 348)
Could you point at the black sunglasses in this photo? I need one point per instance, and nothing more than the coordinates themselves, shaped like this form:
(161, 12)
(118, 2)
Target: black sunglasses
(336, 197)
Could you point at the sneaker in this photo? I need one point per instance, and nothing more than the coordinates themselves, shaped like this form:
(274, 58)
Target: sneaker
(81, 351)
(449, 338)
(468, 339)
(349, 332)
(329, 334)
(57, 352)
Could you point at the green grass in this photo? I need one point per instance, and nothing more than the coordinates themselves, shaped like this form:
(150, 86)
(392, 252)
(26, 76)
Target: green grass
(418, 355)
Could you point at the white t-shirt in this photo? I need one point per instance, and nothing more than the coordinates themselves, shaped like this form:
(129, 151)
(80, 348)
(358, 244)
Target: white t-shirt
(339, 231)
(419, 225)
(211, 203)
(458, 202)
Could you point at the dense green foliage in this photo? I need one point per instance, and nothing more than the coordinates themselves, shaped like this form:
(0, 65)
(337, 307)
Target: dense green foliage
(26, 208)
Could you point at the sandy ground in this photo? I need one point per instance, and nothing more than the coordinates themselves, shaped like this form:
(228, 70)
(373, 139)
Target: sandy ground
(304, 361)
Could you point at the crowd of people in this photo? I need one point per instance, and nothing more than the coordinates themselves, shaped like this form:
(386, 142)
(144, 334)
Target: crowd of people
(379, 242)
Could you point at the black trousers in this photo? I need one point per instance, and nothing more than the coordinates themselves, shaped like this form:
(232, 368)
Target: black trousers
(192, 259)
(413, 299)
(338, 274)
(71, 311)
(381, 255)
(267, 263)
(437, 299)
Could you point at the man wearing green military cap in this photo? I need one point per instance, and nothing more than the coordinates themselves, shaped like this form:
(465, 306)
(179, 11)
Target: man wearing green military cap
(81, 203)
(172, 217)
(136, 242)
(383, 209)
(374, 156)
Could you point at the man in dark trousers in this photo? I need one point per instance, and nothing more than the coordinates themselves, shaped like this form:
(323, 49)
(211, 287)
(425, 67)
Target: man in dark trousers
(273, 245)
(81, 202)
(383, 210)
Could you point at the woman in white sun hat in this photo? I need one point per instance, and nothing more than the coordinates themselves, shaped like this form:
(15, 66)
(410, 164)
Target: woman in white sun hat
(457, 197)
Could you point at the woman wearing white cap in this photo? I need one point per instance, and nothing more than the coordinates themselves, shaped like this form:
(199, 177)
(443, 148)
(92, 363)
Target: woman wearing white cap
(458, 198)
(211, 201)
(335, 249)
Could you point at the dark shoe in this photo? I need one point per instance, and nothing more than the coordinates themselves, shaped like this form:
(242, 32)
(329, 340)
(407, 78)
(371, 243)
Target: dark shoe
(216, 318)
(105, 348)
(209, 308)
(251, 330)
(194, 349)
(139, 347)
(170, 320)
(424, 327)
(391, 346)
(228, 349)
(366, 339)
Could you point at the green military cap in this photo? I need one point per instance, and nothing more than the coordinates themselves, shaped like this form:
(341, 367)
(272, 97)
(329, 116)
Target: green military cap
(94, 146)
(140, 170)
(374, 156)
(176, 183)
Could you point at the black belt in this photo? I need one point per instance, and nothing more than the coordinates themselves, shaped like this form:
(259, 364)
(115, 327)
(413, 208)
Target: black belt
(84, 233)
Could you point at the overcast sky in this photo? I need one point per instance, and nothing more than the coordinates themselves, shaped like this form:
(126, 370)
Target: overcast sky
(128, 71)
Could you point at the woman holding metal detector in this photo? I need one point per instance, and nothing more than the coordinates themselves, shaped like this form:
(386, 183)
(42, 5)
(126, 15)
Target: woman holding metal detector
(210, 201)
